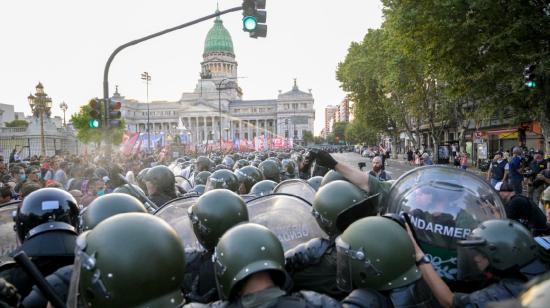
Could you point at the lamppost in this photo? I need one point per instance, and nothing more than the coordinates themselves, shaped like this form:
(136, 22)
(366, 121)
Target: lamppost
(64, 108)
(226, 133)
(220, 101)
(145, 76)
(40, 104)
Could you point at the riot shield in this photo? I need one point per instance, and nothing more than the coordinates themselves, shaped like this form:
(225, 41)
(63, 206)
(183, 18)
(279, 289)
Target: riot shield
(8, 237)
(288, 216)
(444, 205)
(296, 187)
(174, 213)
(184, 183)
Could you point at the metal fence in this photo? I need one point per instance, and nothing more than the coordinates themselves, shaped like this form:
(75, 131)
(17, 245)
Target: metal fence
(56, 144)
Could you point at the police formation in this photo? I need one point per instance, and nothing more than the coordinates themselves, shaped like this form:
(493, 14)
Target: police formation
(271, 229)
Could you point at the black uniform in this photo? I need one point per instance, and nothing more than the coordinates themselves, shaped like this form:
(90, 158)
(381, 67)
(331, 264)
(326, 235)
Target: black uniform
(275, 297)
(160, 199)
(312, 266)
(520, 208)
(416, 294)
(199, 283)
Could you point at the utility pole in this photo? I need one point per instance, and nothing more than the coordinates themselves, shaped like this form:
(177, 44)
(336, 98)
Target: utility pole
(108, 145)
(145, 76)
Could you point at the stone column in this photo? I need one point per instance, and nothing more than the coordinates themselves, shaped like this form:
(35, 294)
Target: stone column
(215, 129)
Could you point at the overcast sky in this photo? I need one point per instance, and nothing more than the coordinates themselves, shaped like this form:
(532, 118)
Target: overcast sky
(65, 44)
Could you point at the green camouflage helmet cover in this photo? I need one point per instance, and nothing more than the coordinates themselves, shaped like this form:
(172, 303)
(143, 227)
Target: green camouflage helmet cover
(214, 213)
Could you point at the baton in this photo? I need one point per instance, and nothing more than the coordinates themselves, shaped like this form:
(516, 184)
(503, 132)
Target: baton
(23, 260)
(150, 205)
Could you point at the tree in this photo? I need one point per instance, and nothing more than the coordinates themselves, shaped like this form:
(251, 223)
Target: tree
(308, 136)
(17, 123)
(338, 134)
(94, 135)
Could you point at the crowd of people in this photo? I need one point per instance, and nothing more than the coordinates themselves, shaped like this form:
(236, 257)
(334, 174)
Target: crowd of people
(101, 233)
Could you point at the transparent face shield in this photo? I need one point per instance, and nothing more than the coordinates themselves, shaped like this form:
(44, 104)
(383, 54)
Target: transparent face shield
(85, 265)
(472, 262)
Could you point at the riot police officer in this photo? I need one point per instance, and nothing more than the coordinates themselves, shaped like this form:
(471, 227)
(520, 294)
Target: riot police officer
(100, 209)
(211, 216)
(248, 176)
(201, 178)
(263, 188)
(315, 182)
(249, 268)
(288, 169)
(270, 170)
(160, 183)
(313, 264)
(376, 260)
(46, 226)
(111, 270)
(501, 249)
(222, 179)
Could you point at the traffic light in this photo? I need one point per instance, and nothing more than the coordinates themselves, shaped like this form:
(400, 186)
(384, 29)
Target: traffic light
(95, 113)
(529, 76)
(254, 18)
(114, 114)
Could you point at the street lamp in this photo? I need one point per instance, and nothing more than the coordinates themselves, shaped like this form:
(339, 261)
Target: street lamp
(145, 76)
(40, 104)
(64, 108)
(220, 101)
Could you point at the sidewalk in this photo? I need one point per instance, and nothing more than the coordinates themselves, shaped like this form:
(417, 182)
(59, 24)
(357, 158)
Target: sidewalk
(402, 159)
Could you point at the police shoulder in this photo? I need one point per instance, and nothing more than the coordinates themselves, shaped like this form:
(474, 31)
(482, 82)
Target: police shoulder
(365, 297)
(306, 254)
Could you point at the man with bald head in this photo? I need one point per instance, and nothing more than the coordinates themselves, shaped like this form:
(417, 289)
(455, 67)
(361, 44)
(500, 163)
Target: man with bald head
(377, 170)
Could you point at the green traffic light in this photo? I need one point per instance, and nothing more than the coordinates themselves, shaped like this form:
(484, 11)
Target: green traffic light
(93, 123)
(250, 23)
(531, 84)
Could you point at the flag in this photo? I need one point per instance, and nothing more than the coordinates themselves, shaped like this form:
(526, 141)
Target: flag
(129, 144)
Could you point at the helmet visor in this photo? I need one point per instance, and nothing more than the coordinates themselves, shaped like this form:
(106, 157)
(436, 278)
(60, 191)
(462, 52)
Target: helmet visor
(85, 263)
(472, 262)
(343, 266)
(296, 187)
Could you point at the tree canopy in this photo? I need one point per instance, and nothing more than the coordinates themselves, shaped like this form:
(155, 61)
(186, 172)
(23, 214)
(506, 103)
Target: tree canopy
(93, 135)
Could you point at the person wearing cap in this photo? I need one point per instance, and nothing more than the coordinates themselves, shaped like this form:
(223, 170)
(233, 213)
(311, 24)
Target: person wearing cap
(520, 208)
(516, 175)
(537, 165)
(498, 170)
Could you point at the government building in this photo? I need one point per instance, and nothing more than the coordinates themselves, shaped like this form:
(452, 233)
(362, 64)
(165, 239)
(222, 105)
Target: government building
(217, 103)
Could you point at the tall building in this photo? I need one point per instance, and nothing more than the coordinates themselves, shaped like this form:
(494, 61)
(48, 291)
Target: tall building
(217, 102)
(330, 113)
(343, 114)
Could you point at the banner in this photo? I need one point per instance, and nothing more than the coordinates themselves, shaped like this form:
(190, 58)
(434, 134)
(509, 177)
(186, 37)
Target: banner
(128, 143)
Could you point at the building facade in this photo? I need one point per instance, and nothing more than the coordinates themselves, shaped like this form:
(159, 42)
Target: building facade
(330, 113)
(215, 109)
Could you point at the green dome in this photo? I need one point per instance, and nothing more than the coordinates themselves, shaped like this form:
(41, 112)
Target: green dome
(218, 39)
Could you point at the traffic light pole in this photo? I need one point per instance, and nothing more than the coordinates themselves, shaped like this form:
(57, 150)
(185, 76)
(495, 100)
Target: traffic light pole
(108, 146)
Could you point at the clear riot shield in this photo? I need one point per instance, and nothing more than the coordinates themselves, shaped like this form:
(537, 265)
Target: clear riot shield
(288, 216)
(444, 205)
(8, 237)
(296, 187)
(175, 214)
(184, 183)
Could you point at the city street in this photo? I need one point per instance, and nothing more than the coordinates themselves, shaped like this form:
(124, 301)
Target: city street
(395, 167)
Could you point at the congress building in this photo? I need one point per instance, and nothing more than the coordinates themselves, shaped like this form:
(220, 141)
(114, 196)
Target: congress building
(196, 115)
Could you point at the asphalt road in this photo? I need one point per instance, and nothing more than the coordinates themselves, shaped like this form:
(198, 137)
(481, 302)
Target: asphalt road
(395, 167)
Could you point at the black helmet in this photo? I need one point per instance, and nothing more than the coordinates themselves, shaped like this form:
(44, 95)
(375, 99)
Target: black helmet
(244, 250)
(202, 177)
(45, 205)
(162, 178)
(141, 179)
(214, 213)
(228, 161)
(112, 271)
(248, 176)
(203, 163)
(263, 188)
(127, 189)
(270, 170)
(109, 205)
(222, 179)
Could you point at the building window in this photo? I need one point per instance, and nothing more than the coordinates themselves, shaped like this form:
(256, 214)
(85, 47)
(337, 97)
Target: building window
(262, 110)
(304, 106)
(286, 107)
(236, 110)
(294, 106)
(286, 133)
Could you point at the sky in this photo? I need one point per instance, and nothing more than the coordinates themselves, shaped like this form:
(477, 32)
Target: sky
(65, 43)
